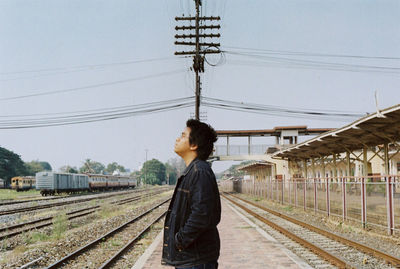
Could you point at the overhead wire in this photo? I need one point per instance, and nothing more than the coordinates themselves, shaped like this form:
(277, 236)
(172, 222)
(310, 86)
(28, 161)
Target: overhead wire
(313, 54)
(315, 64)
(94, 85)
(278, 111)
(97, 115)
(89, 66)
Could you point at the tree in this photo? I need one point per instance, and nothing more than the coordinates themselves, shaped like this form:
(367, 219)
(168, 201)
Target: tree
(153, 172)
(172, 174)
(111, 167)
(233, 170)
(11, 165)
(92, 167)
(69, 169)
(36, 166)
(178, 164)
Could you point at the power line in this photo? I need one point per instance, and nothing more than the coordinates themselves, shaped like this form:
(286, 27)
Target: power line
(318, 64)
(106, 114)
(94, 85)
(103, 110)
(313, 54)
(88, 66)
(279, 111)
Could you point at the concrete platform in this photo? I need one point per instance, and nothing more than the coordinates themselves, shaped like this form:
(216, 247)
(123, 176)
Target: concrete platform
(243, 245)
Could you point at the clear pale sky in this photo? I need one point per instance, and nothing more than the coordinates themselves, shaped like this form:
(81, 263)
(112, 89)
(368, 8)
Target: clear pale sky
(58, 36)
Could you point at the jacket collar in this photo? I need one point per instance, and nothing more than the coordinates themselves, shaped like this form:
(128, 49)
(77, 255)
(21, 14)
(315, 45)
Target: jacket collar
(190, 166)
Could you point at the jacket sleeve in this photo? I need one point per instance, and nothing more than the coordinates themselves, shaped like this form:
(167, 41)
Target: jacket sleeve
(202, 206)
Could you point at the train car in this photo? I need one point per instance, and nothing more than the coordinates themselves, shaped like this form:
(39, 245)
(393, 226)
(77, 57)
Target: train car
(110, 182)
(50, 183)
(23, 183)
(2, 183)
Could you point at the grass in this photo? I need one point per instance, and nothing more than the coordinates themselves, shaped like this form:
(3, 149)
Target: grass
(34, 237)
(4, 245)
(116, 243)
(60, 225)
(288, 208)
(7, 194)
(108, 211)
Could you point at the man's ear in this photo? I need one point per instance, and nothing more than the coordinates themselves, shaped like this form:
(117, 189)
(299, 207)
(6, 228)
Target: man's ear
(193, 147)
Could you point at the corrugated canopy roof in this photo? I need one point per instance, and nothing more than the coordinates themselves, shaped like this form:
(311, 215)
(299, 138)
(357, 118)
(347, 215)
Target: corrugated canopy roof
(303, 130)
(255, 165)
(371, 130)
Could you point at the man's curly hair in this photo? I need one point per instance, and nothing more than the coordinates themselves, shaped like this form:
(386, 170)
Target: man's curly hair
(202, 135)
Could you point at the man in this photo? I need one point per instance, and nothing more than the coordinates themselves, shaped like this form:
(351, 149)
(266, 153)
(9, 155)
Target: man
(191, 239)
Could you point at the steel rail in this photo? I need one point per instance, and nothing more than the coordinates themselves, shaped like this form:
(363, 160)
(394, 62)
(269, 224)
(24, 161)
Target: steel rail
(319, 251)
(81, 250)
(19, 210)
(49, 219)
(116, 256)
(48, 223)
(40, 198)
(366, 249)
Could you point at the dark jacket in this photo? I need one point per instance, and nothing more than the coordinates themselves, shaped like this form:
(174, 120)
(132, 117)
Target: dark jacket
(190, 230)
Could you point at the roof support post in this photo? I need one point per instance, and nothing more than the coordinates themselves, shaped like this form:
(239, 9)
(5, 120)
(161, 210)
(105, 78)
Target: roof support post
(348, 163)
(227, 145)
(328, 209)
(363, 189)
(334, 166)
(249, 150)
(304, 183)
(304, 168)
(386, 157)
(389, 191)
(315, 185)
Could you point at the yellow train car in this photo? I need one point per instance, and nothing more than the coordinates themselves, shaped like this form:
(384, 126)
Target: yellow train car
(23, 183)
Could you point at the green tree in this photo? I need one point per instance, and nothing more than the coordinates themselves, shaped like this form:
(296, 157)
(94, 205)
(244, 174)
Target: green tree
(36, 166)
(111, 167)
(171, 173)
(92, 167)
(11, 165)
(69, 169)
(153, 172)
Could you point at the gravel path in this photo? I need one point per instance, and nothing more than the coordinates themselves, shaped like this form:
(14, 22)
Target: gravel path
(78, 233)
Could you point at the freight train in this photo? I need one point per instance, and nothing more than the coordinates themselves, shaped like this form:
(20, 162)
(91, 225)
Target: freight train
(50, 183)
(23, 183)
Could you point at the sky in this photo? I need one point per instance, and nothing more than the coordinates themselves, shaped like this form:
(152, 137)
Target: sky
(62, 56)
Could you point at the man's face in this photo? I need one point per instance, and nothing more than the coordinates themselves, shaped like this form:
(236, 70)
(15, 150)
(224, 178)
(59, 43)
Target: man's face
(182, 145)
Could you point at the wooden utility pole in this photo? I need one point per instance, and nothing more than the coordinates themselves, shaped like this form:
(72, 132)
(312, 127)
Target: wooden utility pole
(198, 53)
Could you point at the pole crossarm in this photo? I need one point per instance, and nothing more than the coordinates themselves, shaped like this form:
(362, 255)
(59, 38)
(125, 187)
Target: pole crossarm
(194, 52)
(191, 27)
(194, 44)
(211, 18)
(198, 54)
(200, 35)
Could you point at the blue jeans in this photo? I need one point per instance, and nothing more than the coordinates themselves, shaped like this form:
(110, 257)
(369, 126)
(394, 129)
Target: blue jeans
(210, 265)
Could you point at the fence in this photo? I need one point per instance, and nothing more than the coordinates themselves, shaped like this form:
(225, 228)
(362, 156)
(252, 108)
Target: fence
(372, 200)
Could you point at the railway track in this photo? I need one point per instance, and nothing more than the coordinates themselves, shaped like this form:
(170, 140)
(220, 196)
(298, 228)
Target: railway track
(9, 231)
(44, 206)
(125, 230)
(339, 251)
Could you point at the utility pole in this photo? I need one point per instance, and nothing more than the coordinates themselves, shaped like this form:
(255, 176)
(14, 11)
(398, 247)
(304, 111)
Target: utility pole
(145, 168)
(198, 53)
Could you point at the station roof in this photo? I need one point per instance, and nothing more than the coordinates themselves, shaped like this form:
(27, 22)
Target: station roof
(303, 130)
(255, 165)
(372, 130)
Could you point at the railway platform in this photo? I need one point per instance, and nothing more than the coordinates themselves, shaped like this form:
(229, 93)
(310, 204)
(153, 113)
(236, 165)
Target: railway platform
(243, 245)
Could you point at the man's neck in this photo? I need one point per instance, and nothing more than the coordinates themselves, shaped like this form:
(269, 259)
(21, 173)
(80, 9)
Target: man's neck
(189, 158)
